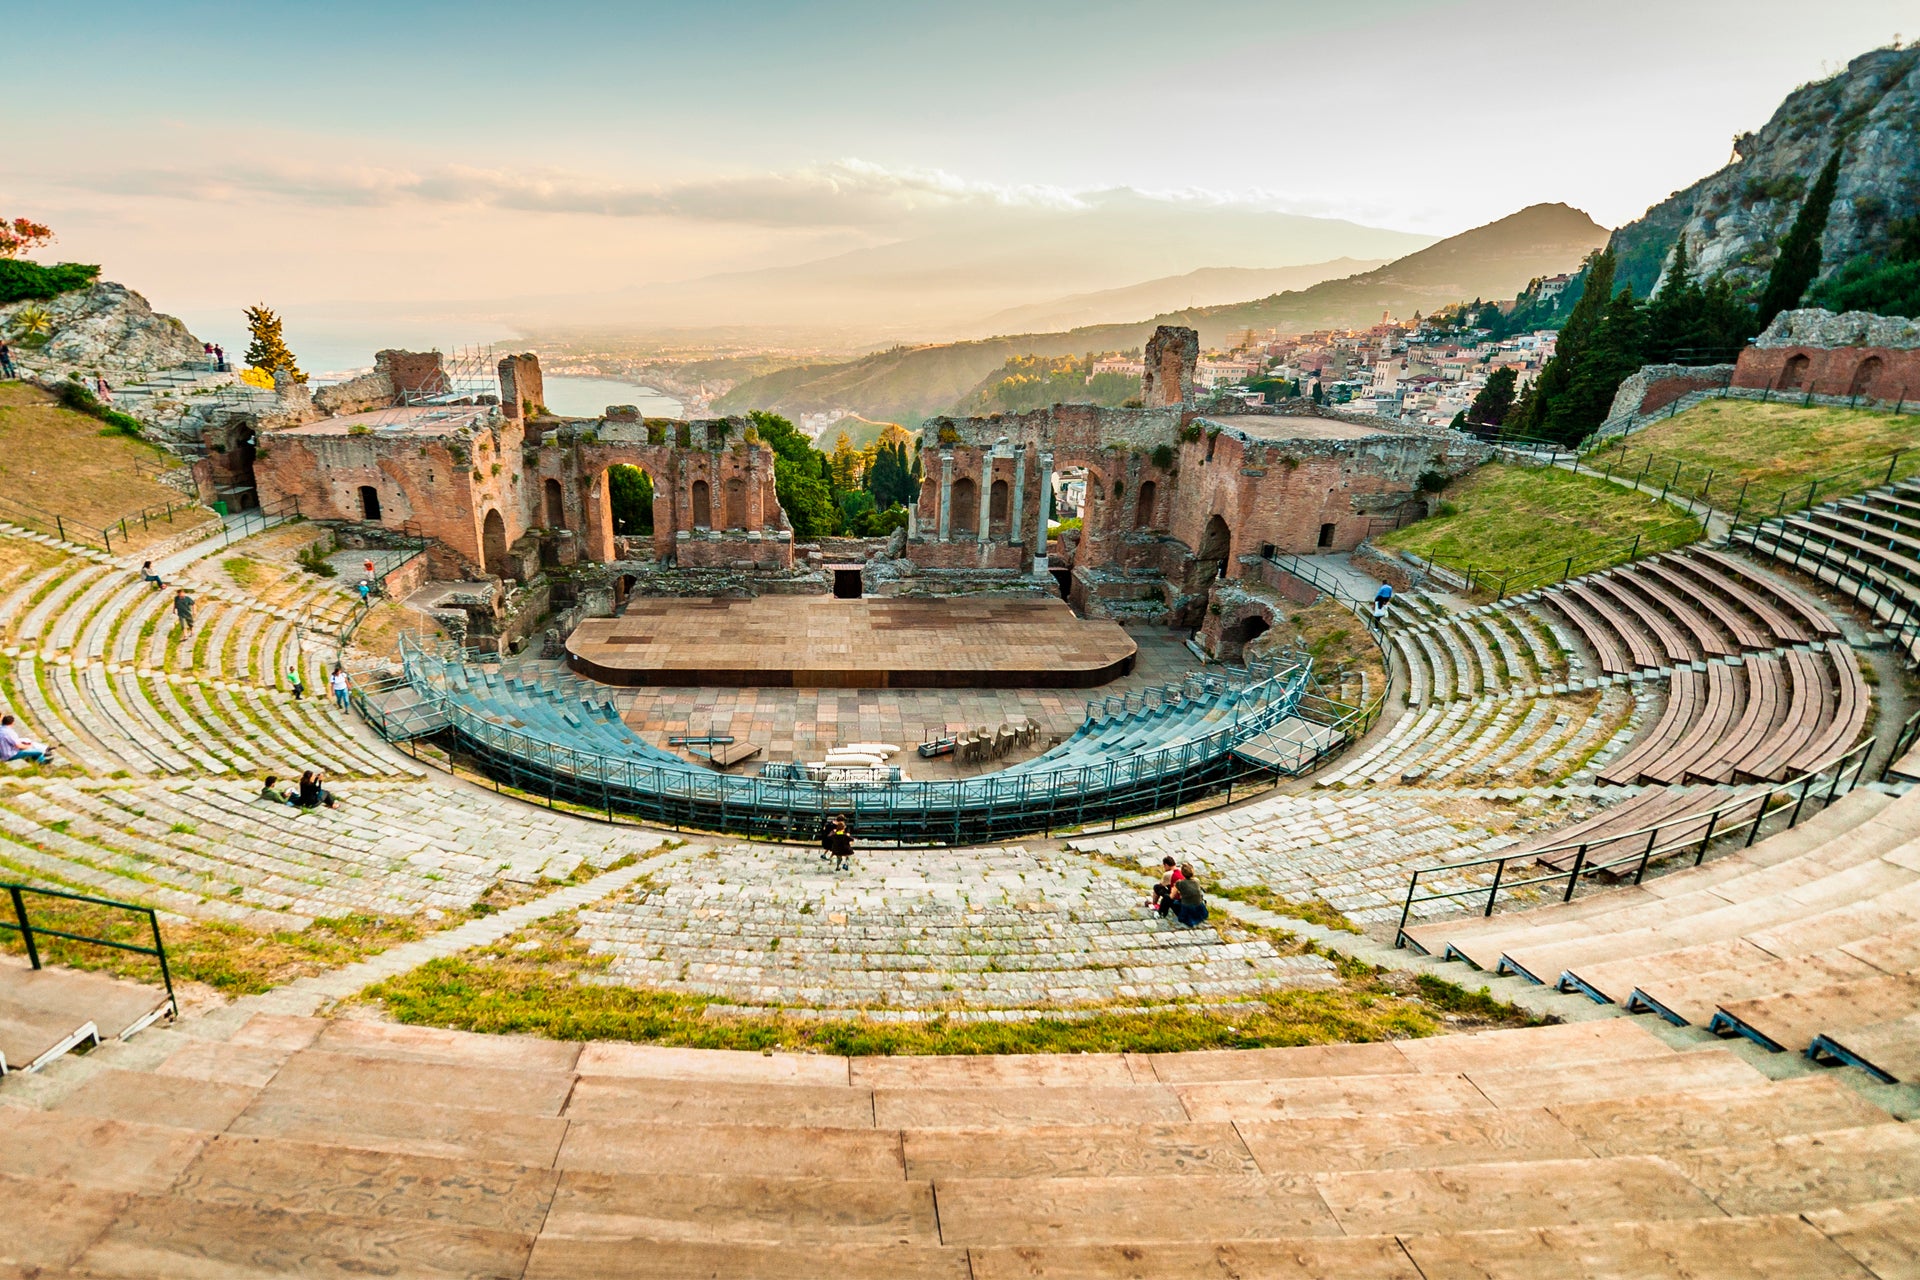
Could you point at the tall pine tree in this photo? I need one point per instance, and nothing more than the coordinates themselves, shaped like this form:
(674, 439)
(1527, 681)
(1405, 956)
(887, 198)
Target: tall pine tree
(1799, 260)
(1545, 411)
(268, 350)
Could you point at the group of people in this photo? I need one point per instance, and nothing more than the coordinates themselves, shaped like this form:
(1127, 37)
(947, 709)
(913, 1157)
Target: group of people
(216, 357)
(836, 841)
(15, 745)
(311, 794)
(1177, 893)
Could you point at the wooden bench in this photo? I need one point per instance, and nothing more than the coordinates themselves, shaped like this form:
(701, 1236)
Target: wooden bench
(1809, 614)
(1641, 649)
(1664, 631)
(1789, 1020)
(1688, 574)
(1723, 706)
(1851, 702)
(1810, 706)
(1767, 704)
(1686, 699)
(1621, 830)
(1709, 632)
(732, 753)
(1606, 645)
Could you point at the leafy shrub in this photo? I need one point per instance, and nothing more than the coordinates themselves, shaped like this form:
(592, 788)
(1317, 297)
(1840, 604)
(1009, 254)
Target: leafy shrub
(1430, 482)
(1162, 456)
(21, 280)
(313, 558)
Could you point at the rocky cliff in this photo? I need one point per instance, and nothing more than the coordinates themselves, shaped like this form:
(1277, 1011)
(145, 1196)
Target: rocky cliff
(1734, 219)
(106, 328)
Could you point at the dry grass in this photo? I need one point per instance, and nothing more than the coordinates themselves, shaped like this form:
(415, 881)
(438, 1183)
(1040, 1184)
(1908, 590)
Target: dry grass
(20, 560)
(1510, 518)
(379, 635)
(1775, 449)
(66, 462)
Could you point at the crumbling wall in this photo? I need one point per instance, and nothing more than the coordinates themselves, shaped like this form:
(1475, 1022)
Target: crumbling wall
(1853, 354)
(1172, 356)
(523, 391)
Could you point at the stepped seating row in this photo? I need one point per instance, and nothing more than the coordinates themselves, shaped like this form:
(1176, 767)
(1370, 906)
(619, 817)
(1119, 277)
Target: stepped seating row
(314, 1147)
(1502, 738)
(955, 933)
(1483, 650)
(1658, 822)
(1771, 718)
(1683, 608)
(1812, 934)
(1867, 546)
(216, 850)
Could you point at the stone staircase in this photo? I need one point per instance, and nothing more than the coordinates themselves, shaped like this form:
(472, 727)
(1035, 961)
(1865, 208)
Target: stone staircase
(247, 1143)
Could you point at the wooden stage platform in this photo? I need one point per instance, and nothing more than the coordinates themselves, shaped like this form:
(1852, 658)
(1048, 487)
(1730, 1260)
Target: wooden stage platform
(963, 642)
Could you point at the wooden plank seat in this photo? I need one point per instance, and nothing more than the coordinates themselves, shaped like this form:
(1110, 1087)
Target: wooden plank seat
(1713, 636)
(1852, 700)
(1789, 1020)
(729, 754)
(1694, 996)
(1686, 701)
(1889, 1049)
(1855, 818)
(1810, 708)
(1767, 707)
(1898, 526)
(1642, 649)
(1897, 545)
(1698, 580)
(1607, 647)
(1677, 811)
(1631, 604)
(1725, 700)
(1806, 612)
(1852, 564)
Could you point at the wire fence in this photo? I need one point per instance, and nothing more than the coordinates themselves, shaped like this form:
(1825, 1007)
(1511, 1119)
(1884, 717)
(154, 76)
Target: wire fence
(85, 532)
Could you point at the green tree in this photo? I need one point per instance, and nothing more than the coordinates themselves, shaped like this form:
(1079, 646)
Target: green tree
(845, 464)
(802, 477)
(1493, 402)
(891, 480)
(268, 350)
(1548, 411)
(1799, 258)
(630, 494)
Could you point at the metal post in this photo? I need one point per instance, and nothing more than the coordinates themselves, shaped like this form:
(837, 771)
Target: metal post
(62, 528)
(1568, 573)
(1739, 506)
(1573, 877)
(1890, 465)
(1499, 870)
(1806, 785)
(1810, 488)
(160, 954)
(1713, 820)
(1653, 838)
(1635, 553)
(26, 926)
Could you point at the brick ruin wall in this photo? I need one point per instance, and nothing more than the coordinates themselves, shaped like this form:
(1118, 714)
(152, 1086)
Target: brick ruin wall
(1853, 354)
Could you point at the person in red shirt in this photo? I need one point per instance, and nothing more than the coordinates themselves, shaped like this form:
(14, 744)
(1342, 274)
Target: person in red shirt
(1163, 889)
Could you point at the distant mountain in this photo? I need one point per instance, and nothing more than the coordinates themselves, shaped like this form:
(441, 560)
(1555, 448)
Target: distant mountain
(1735, 218)
(908, 384)
(1209, 286)
(929, 285)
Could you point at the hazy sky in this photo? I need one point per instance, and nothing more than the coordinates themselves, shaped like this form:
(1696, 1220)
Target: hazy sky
(210, 154)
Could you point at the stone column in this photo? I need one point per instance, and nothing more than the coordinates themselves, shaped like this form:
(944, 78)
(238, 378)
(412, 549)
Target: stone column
(756, 499)
(1046, 501)
(986, 497)
(946, 492)
(1016, 511)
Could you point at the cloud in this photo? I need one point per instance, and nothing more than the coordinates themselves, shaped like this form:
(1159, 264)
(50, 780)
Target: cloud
(845, 193)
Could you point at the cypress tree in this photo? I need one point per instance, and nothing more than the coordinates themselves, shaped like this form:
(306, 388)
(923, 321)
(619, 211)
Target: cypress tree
(1545, 411)
(1799, 259)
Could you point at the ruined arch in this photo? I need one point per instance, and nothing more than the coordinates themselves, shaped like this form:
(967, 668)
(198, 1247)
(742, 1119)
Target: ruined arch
(556, 505)
(1866, 376)
(1794, 376)
(493, 544)
(736, 495)
(1216, 546)
(1235, 638)
(966, 508)
(1143, 505)
(630, 493)
(998, 509)
(370, 504)
(702, 505)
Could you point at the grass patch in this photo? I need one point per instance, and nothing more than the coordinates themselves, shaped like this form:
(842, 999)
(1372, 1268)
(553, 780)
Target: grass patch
(1510, 518)
(233, 960)
(56, 459)
(245, 573)
(1312, 910)
(1776, 449)
(547, 989)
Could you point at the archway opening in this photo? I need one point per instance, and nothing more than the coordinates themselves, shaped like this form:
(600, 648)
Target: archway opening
(736, 502)
(965, 517)
(1143, 505)
(1216, 544)
(1865, 376)
(1328, 532)
(849, 582)
(702, 505)
(493, 545)
(556, 505)
(630, 495)
(997, 510)
(1235, 639)
(369, 503)
(1794, 376)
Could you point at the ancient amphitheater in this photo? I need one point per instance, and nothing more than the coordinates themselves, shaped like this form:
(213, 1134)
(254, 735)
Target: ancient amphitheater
(1662, 810)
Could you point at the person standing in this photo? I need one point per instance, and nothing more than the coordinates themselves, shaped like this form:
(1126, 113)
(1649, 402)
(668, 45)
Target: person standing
(840, 844)
(102, 389)
(366, 592)
(296, 683)
(6, 360)
(340, 687)
(1381, 599)
(219, 358)
(183, 609)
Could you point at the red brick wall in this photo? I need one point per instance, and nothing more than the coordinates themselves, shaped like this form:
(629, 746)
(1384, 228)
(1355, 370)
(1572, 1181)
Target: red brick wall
(1662, 392)
(413, 373)
(1831, 371)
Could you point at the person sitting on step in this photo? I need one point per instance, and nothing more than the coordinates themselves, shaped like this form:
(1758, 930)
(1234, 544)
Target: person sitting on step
(148, 575)
(312, 793)
(1190, 905)
(270, 790)
(1163, 888)
(15, 745)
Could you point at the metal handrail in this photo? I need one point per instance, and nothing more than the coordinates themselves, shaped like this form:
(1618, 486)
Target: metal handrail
(29, 931)
(1760, 799)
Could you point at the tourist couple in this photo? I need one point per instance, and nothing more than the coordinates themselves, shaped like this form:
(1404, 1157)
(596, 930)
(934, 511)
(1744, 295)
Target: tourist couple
(1178, 893)
(836, 839)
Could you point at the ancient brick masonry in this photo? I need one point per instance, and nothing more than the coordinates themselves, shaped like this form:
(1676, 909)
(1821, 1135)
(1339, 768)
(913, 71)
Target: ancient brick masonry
(1173, 353)
(1855, 354)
